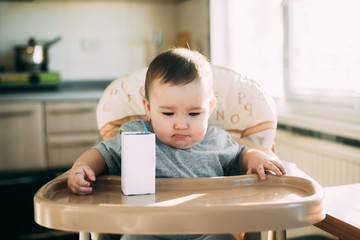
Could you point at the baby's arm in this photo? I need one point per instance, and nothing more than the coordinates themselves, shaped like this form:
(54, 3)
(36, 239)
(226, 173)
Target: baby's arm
(256, 161)
(85, 169)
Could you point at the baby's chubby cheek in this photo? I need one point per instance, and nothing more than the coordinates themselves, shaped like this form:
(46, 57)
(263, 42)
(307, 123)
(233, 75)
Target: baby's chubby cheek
(161, 134)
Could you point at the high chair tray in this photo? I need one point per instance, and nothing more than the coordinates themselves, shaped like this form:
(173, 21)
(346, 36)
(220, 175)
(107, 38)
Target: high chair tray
(187, 205)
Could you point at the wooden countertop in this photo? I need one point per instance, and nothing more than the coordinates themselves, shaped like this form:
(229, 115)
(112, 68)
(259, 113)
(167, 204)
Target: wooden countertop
(342, 212)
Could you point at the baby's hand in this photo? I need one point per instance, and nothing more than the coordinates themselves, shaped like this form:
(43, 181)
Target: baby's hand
(78, 181)
(257, 162)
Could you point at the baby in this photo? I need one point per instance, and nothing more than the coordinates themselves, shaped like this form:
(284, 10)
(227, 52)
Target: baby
(178, 102)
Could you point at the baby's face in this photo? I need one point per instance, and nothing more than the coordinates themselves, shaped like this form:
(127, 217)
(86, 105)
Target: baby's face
(179, 114)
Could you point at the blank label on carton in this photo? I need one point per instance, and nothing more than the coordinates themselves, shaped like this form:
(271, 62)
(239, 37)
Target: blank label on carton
(138, 159)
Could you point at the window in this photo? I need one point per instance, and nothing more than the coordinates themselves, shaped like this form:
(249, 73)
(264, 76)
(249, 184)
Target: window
(305, 52)
(322, 51)
(247, 36)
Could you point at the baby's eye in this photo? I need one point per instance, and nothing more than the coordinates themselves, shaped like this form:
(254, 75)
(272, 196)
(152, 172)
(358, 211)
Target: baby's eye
(168, 113)
(194, 114)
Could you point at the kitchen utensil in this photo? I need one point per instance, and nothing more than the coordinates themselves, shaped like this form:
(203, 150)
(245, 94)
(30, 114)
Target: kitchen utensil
(33, 57)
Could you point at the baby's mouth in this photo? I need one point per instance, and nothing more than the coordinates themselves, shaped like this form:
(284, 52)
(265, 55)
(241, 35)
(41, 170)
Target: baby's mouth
(180, 136)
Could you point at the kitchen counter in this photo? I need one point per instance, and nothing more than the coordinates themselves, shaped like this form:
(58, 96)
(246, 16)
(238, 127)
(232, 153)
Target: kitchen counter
(86, 90)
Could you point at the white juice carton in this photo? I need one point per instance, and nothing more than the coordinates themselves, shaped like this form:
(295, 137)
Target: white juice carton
(138, 161)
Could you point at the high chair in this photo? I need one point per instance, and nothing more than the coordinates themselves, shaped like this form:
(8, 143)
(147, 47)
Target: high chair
(243, 108)
(188, 205)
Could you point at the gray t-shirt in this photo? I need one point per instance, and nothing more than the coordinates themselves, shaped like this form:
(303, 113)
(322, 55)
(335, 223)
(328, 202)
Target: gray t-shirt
(216, 154)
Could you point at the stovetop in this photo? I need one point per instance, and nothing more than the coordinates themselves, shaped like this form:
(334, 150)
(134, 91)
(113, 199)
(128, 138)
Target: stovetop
(29, 80)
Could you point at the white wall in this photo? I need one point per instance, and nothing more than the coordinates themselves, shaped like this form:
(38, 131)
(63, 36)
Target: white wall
(101, 39)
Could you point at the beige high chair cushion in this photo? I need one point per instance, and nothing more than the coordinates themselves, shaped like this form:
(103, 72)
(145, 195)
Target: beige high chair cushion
(243, 108)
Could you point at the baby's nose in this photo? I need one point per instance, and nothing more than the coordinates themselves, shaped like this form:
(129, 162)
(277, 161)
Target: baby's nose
(181, 124)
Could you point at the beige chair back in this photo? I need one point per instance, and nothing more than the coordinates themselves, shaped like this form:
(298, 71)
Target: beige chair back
(243, 108)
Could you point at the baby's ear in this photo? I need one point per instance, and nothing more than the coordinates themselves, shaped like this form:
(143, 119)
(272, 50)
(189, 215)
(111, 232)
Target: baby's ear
(212, 105)
(146, 105)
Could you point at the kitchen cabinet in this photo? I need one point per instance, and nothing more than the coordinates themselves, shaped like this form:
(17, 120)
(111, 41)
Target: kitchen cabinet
(41, 135)
(22, 141)
(71, 129)
(63, 150)
(71, 116)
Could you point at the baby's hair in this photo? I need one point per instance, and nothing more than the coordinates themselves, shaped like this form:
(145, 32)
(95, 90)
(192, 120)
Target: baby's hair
(178, 66)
